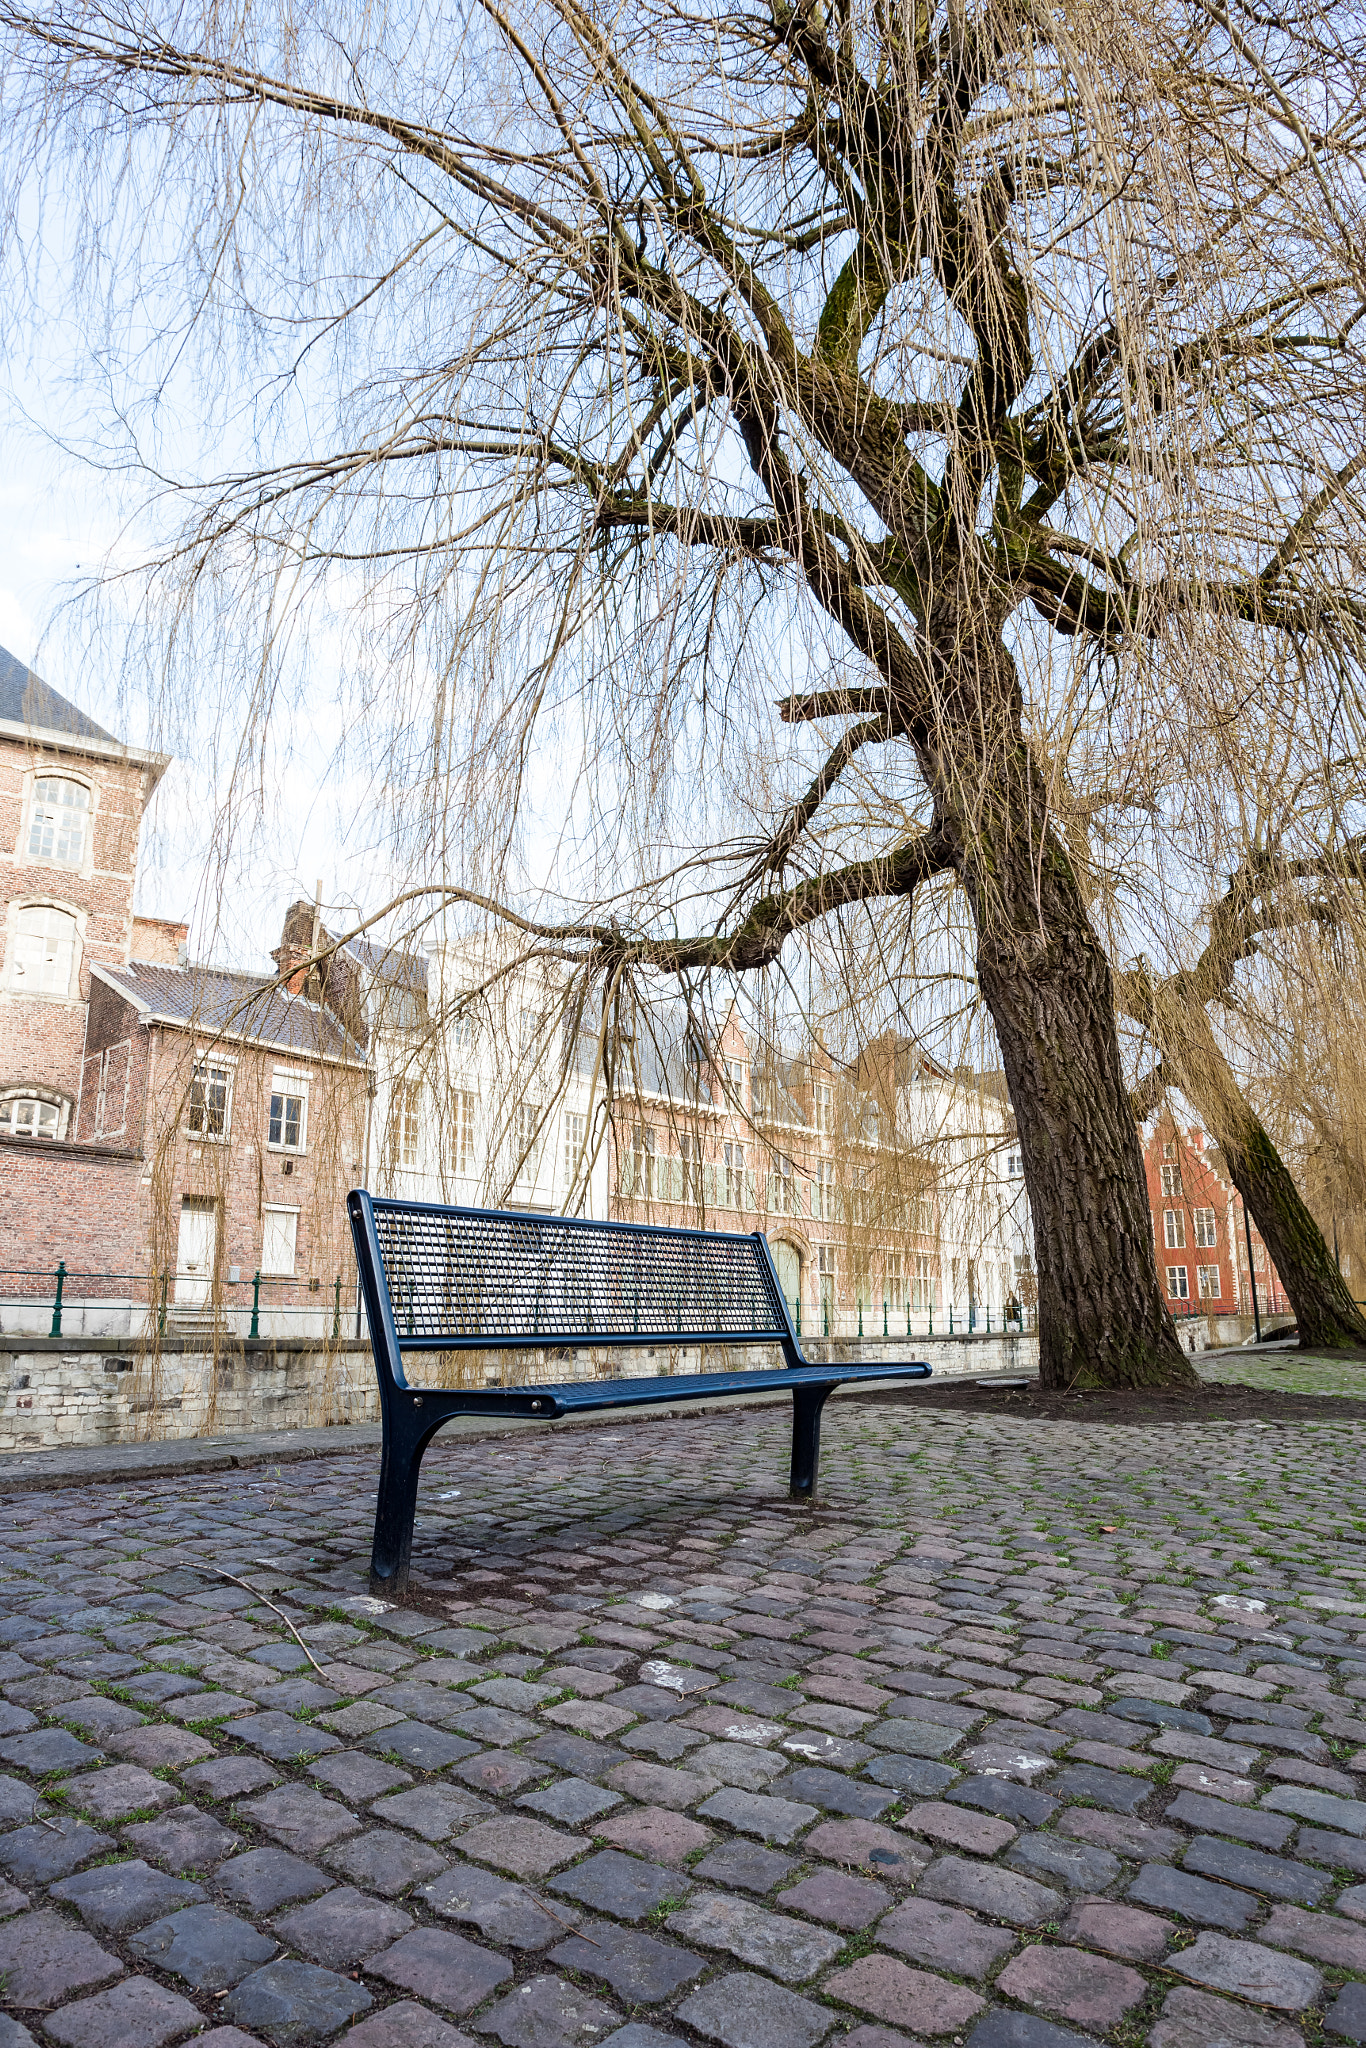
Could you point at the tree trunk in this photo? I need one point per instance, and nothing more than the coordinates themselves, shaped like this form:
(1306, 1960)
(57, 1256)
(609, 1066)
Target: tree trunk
(1044, 975)
(1328, 1318)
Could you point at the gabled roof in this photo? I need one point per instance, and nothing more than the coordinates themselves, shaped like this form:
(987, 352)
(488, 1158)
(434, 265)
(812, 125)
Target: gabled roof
(25, 699)
(226, 1006)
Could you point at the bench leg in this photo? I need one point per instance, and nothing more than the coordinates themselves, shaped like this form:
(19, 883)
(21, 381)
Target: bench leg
(405, 1439)
(807, 1403)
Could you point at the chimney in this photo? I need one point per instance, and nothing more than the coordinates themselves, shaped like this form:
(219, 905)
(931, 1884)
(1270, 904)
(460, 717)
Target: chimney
(296, 946)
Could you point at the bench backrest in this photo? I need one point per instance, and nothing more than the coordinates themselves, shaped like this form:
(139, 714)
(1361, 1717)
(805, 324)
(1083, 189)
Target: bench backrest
(448, 1279)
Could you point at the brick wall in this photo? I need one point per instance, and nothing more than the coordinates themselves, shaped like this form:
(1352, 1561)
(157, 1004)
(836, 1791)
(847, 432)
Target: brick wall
(80, 1203)
(41, 1036)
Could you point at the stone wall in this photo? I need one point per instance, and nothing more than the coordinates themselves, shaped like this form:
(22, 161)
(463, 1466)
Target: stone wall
(55, 1392)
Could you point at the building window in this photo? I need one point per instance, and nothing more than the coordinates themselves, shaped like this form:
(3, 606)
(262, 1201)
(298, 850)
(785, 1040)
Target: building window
(823, 1107)
(1171, 1180)
(893, 1282)
(45, 951)
(279, 1232)
(60, 813)
(210, 1100)
(530, 1024)
(690, 1158)
(643, 1161)
(737, 1077)
(286, 1126)
(405, 1124)
(575, 1138)
(785, 1202)
(1174, 1229)
(1014, 1166)
(1207, 1279)
(922, 1285)
(526, 1138)
(464, 1107)
(1206, 1232)
(1177, 1287)
(733, 1158)
(825, 1271)
(33, 1116)
(1169, 1148)
(823, 1191)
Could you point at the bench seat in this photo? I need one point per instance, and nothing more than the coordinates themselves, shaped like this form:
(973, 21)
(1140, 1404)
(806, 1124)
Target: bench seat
(494, 1280)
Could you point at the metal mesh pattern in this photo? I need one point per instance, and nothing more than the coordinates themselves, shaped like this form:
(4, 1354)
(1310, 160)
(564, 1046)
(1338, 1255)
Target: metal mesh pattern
(476, 1275)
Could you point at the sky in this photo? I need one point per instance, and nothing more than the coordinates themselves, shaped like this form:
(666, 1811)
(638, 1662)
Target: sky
(58, 521)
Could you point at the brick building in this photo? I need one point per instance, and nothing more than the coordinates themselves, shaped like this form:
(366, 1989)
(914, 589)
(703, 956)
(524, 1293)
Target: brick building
(1199, 1235)
(71, 804)
(164, 1127)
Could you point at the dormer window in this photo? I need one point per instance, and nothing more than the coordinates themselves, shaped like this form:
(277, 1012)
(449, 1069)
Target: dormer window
(61, 811)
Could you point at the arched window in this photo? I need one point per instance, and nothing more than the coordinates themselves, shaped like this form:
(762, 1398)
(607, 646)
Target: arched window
(45, 951)
(30, 1115)
(61, 810)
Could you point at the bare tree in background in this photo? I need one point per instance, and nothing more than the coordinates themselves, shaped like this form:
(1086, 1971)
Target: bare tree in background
(983, 372)
(1269, 894)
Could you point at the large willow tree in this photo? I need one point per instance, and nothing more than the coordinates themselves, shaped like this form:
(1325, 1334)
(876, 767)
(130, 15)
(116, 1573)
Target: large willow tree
(981, 382)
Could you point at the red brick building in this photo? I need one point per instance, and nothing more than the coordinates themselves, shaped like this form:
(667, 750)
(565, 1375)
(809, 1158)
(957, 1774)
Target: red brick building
(164, 1127)
(1199, 1236)
(71, 804)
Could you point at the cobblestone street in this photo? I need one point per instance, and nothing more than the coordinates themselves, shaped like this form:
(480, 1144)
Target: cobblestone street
(1033, 1735)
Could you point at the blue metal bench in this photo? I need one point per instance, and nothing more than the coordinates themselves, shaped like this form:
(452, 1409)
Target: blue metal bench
(445, 1279)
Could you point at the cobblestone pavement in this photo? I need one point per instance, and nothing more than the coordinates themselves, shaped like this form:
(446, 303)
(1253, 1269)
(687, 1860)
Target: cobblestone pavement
(1034, 1735)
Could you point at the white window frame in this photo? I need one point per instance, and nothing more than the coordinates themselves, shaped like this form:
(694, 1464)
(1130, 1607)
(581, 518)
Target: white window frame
(464, 1124)
(826, 1260)
(733, 1160)
(823, 1190)
(42, 1098)
(82, 863)
(286, 1083)
(1171, 1181)
(19, 980)
(216, 1063)
(528, 1141)
(274, 1209)
(690, 1168)
(1206, 1224)
(823, 1107)
(1174, 1229)
(405, 1112)
(575, 1131)
(1178, 1283)
(1209, 1282)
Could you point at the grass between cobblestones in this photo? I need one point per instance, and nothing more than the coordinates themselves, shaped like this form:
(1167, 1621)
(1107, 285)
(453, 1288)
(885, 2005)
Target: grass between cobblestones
(1044, 1727)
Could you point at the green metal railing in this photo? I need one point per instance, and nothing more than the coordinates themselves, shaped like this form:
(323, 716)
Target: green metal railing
(73, 1291)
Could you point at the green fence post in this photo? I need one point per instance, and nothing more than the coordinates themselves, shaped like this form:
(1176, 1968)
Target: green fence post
(931, 1330)
(884, 1315)
(950, 1318)
(255, 1329)
(825, 1313)
(860, 1316)
(988, 1319)
(56, 1329)
(336, 1308)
